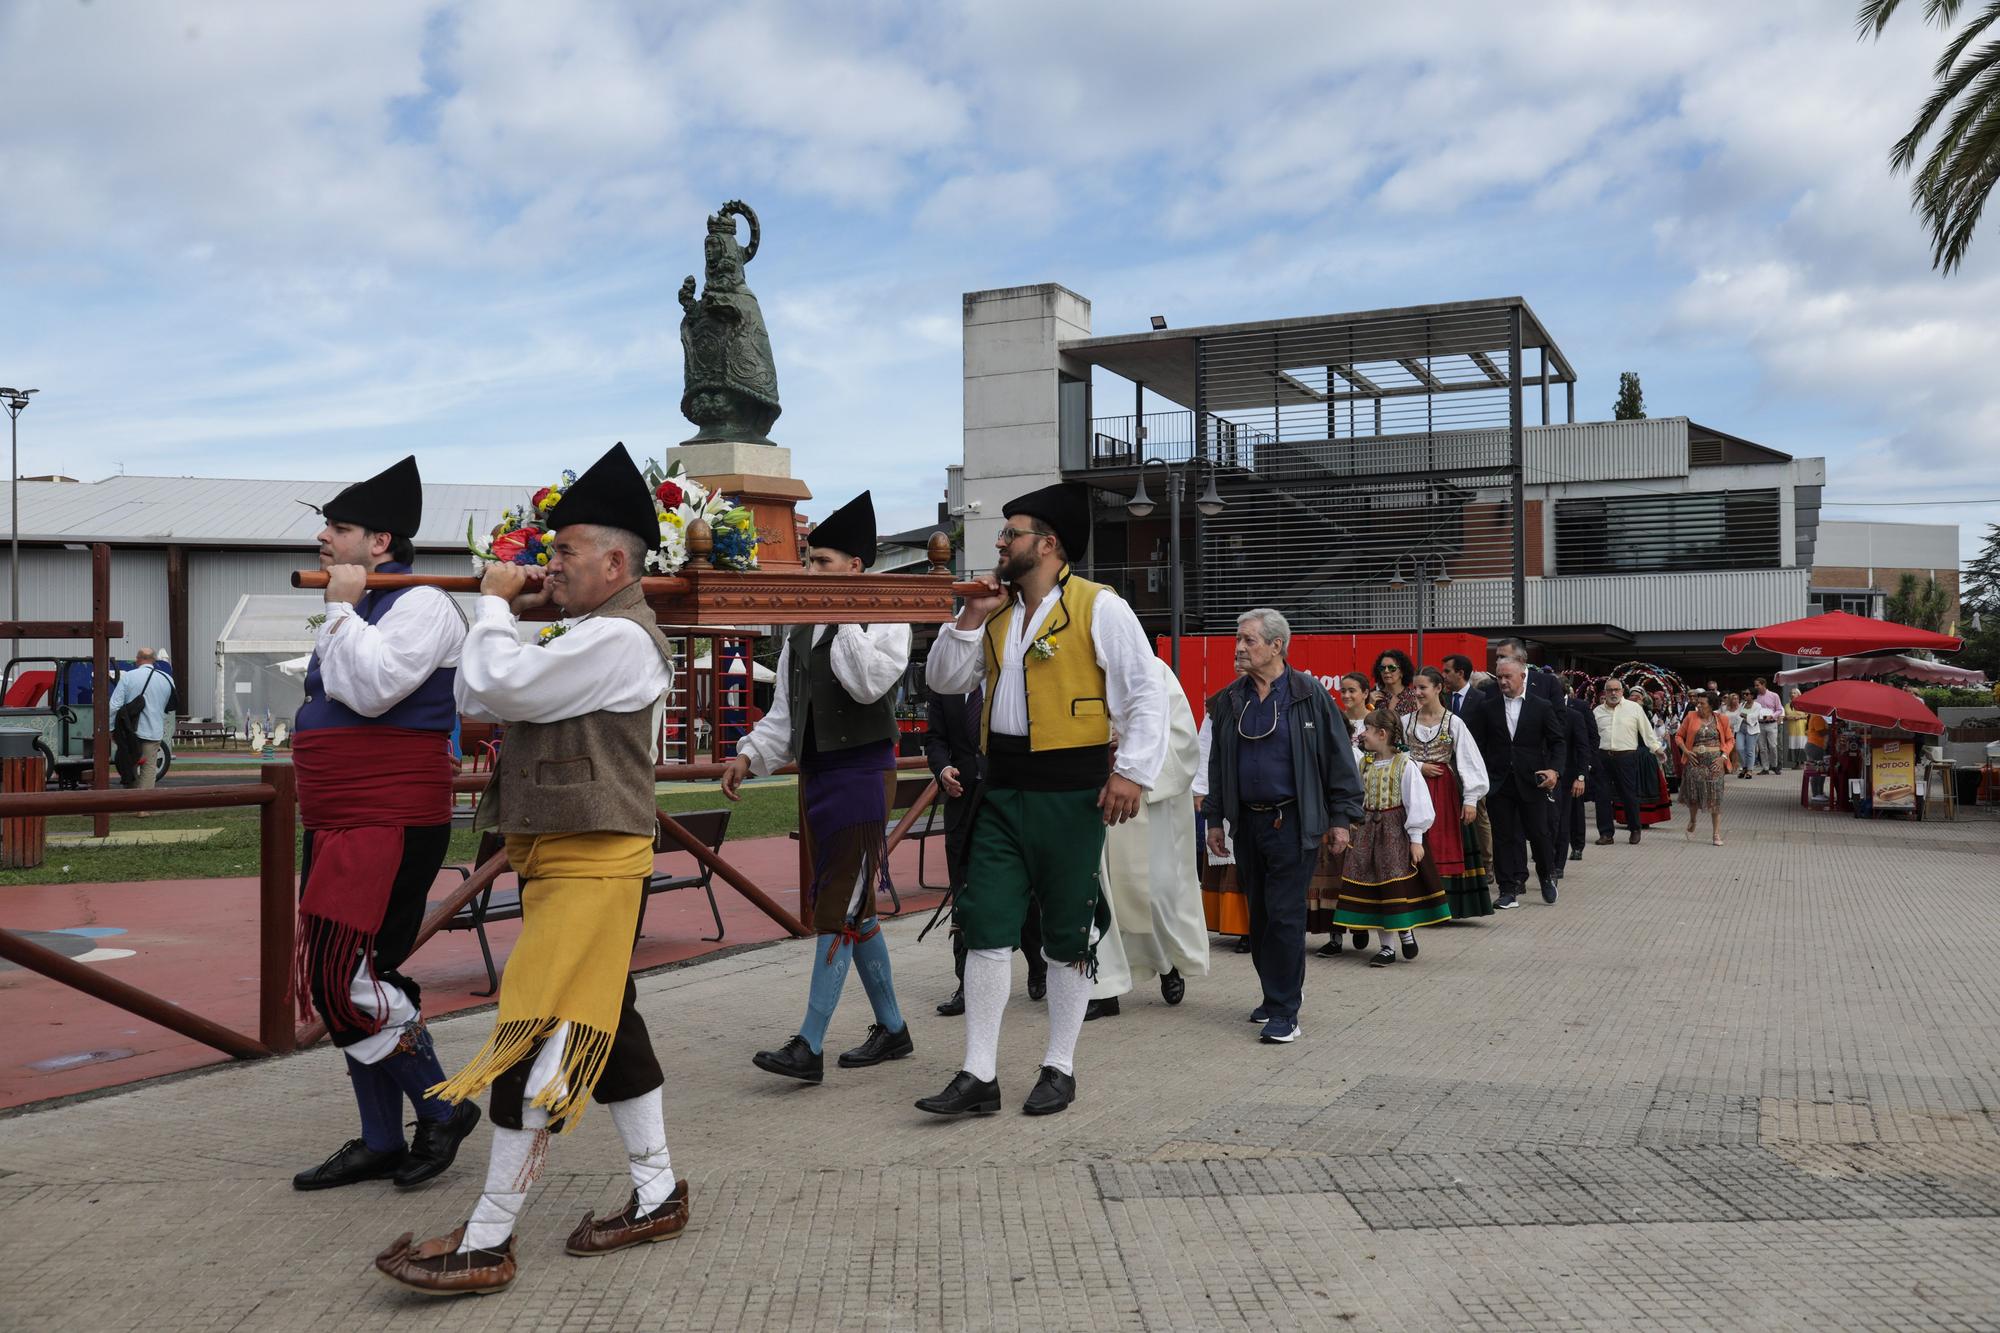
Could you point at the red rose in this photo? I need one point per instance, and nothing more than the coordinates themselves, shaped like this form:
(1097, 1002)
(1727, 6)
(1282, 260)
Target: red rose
(669, 495)
(540, 496)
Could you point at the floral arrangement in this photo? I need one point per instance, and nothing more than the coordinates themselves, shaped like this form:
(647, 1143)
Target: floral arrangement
(550, 633)
(522, 536)
(1043, 648)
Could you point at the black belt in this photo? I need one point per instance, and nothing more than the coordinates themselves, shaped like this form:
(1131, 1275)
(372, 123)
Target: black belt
(1275, 805)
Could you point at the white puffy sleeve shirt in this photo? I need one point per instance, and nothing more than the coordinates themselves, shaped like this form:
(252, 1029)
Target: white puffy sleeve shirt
(1418, 812)
(595, 665)
(372, 668)
(868, 660)
(1472, 775)
(1137, 703)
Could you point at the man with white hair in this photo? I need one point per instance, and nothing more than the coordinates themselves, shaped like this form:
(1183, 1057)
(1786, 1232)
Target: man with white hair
(1282, 778)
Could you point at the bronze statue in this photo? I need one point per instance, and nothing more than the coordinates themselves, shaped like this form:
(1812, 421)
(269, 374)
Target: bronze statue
(731, 388)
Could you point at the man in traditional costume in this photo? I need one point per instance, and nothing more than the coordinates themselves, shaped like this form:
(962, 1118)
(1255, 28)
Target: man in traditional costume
(1063, 660)
(573, 792)
(835, 712)
(1152, 881)
(372, 752)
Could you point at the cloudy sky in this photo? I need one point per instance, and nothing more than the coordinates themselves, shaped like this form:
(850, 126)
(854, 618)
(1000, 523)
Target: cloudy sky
(301, 240)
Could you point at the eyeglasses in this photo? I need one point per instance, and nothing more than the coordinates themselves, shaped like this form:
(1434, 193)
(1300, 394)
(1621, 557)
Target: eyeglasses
(1008, 536)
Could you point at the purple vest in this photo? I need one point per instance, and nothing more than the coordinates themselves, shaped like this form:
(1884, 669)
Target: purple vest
(430, 707)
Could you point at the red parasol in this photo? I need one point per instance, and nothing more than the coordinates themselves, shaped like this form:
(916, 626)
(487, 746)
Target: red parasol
(1840, 634)
(1871, 704)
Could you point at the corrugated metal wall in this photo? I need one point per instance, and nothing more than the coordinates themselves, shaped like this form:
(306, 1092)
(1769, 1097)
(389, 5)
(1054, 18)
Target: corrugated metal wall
(1721, 600)
(1606, 450)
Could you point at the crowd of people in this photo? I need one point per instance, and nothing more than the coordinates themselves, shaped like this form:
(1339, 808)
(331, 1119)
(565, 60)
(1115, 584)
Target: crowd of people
(1075, 779)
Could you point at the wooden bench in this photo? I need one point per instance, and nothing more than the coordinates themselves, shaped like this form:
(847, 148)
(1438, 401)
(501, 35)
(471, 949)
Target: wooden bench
(930, 824)
(497, 904)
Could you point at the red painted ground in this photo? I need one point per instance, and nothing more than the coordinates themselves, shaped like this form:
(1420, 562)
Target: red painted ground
(195, 942)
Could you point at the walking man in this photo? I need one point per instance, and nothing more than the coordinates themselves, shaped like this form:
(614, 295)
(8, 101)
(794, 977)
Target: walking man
(1520, 737)
(151, 683)
(951, 746)
(574, 794)
(1622, 730)
(1282, 777)
(1063, 661)
(835, 712)
(372, 757)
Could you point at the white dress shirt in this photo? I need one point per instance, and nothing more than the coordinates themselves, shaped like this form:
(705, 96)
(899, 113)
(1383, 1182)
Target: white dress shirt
(1132, 692)
(1625, 728)
(868, 660)
(1513, 707)
(596, 665)
(372, 668)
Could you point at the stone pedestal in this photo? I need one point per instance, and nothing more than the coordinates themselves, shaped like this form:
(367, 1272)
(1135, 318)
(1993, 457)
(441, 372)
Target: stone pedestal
(760, 476)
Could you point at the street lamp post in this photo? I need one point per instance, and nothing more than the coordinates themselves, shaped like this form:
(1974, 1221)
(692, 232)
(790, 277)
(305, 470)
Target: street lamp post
(1141, 505)
(16, 402)
(1427, 571)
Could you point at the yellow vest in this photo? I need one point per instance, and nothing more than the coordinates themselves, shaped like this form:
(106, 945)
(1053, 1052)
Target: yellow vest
(1067, 702)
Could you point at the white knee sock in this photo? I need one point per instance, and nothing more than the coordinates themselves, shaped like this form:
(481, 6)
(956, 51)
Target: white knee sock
(510, 1172)
(1069, 996)
(989, 975)
(642, 1124)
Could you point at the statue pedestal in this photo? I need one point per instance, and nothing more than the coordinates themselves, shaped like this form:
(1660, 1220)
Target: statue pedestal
(760, 476)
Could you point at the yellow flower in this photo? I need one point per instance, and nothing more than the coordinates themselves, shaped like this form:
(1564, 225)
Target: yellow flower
(541, 557)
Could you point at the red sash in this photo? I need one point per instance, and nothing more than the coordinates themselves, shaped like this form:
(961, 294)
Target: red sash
(359, 788)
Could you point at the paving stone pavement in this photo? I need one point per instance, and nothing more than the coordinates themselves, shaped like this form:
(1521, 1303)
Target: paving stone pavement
(1740, 1088)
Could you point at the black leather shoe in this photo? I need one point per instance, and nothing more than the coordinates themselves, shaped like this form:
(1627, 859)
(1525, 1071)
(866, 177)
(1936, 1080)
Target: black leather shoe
(1576, 853)
(1101, 1009)
(794, 1059)
(1331, 949)
(881, 1045)
(1038, 983)
(435, 1145)
(353, 1162)
(955, 1006)
(1054, 1091)
(1633, 838)
(1243, 944)
(1173, 987)
(1549, 890)
(964, 1095)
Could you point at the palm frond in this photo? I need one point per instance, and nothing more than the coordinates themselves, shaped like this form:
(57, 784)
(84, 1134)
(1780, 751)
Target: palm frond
(1964, 39)
(1947, 91)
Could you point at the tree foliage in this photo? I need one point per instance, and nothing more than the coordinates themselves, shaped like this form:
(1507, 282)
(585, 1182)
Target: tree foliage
(1961, 119)
(1979, 586)
(1923, 603)
(1631, 404)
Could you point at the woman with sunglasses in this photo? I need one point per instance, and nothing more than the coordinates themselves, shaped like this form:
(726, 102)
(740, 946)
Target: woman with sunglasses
(1396, 678)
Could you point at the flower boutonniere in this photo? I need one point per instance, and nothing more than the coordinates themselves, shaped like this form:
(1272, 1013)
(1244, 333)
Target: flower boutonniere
(314, 622)
(1042, 649)
(550, 633)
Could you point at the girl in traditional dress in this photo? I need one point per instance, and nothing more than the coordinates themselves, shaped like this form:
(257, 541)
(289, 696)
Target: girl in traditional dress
(1704, 743)
(1379, 885)
(1455, 775)
(1323, 893)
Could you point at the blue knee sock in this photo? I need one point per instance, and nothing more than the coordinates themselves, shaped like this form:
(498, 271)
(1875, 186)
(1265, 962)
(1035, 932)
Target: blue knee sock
(381, 1106)
(413, 1069)
(829, 975)
(872, 956)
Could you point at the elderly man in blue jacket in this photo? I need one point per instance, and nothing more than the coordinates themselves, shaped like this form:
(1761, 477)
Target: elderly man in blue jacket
(1281, 776)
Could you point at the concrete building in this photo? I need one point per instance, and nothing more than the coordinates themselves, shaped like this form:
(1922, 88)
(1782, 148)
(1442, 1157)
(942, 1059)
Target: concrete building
(1380, 467)
(1857, 566)
(186, 550)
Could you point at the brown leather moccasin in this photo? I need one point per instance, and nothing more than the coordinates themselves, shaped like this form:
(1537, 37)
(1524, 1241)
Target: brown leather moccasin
(631, 1227)
(436, 1268)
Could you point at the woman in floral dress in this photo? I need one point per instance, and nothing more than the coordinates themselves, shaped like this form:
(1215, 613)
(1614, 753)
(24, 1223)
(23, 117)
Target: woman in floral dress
(1704, 745)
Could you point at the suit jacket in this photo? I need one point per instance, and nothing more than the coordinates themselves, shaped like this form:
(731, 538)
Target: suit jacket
(951, 738)
(1541, 685)
(1538, 742)
(1581, 742)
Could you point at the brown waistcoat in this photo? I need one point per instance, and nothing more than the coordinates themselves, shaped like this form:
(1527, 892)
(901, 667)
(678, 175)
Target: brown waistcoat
(588, 774)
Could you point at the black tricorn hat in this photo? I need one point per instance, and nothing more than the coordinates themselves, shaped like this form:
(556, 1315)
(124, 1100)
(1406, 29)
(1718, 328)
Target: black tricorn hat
(850, 529)
(391, 501)
(612, 494)
(1064, 509)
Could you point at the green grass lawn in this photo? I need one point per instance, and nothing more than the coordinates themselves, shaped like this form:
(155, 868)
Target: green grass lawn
(766, 809)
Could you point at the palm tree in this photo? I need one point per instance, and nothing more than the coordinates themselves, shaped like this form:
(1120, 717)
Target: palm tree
(1923, 603)
(1950, 188)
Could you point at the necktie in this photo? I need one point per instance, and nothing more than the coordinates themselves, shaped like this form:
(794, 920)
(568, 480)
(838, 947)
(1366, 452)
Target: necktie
(1456, 700)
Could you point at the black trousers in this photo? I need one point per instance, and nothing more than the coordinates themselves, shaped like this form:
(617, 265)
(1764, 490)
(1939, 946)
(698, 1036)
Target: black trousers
(1523, 822)
(1275, 872)
(958, 813)
(1620, 782)
(423, 855)
(631, 1070)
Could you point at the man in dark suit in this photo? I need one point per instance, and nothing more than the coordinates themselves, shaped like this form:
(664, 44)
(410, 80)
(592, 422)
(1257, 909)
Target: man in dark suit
(951, 745)
(1578, 771)
(1521, 738)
